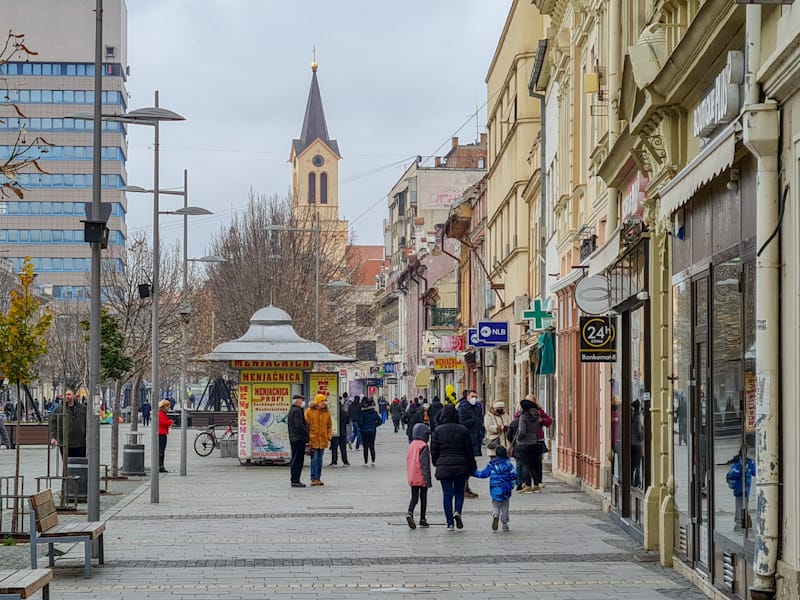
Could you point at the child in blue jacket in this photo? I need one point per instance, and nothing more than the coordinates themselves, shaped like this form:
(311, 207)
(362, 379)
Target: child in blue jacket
(741, 489)
(502, 476)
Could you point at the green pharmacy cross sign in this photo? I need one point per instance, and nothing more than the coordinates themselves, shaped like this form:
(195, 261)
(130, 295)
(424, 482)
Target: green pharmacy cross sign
(537, 315)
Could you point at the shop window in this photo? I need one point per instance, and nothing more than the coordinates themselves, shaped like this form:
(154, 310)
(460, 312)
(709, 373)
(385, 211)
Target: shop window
(681, 392)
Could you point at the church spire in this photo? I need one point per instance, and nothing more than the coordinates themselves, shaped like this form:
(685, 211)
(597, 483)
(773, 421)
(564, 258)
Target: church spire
(314, 124)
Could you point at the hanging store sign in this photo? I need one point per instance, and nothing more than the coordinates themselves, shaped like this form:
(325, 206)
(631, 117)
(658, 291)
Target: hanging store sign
(445, 363)
(633, 202)
(598, 341)
(452, 343)
(721, 104)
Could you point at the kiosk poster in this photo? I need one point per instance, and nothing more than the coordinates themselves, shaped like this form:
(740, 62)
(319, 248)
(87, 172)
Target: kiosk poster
(269, 435)
(328, 384)
(243, 421)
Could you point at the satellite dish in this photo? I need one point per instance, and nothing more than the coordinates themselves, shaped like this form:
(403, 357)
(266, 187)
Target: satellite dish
(592, 295)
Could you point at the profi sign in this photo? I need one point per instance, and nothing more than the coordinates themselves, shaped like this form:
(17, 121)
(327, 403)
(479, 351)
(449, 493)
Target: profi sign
(721, 104)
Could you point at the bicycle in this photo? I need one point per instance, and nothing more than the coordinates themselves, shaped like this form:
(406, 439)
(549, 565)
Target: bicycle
(206, 441)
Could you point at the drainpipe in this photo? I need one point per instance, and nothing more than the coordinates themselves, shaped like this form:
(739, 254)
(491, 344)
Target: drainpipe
(614, 70)
(761, 130)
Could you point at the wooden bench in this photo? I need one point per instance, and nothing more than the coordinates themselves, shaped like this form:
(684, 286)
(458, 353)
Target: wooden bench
(45, 529)
(24, 583)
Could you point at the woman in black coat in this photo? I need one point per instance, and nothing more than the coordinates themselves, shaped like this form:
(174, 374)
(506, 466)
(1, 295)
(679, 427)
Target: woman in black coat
(452, 455)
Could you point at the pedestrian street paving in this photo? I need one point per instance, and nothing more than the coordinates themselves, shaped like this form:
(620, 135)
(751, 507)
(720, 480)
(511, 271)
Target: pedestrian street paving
(240, 532)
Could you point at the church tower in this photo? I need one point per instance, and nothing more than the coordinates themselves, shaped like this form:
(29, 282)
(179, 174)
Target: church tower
(315, 168)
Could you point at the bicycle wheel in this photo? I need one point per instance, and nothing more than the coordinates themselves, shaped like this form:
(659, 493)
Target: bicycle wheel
(204, 443)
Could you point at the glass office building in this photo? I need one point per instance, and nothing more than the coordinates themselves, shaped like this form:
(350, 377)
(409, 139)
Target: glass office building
(38, 93)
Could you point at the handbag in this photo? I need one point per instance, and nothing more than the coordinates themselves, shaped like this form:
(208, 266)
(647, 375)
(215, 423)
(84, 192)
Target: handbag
(543, 449)
(309, 449)
(492, 443)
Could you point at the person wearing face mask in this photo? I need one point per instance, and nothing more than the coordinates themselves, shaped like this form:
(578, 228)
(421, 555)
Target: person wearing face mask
(496, 424)
(470, 415)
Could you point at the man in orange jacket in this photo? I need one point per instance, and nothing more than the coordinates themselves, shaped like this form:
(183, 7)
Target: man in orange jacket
(320, 431)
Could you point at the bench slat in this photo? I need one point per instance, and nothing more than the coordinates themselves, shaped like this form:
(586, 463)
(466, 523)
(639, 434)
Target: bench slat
(77, 529)
(45, 507)
(25, 582)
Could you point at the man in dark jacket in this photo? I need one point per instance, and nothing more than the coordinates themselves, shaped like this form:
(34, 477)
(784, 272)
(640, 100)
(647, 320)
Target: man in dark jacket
(397, 413)
(355, 415)
(470, 415)
(433, 411)
(298, 438)
(339, 441)
(411, 417)
(68, 427)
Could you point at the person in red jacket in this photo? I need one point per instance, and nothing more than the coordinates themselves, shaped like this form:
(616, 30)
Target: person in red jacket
(164, 423)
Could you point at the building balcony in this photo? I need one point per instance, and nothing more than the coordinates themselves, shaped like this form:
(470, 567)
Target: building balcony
(443, 318)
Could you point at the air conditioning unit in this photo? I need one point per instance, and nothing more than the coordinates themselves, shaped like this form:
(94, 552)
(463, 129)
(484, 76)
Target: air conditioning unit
(521, 303)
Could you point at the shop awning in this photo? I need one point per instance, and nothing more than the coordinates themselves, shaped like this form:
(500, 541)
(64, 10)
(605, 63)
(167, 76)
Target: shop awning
(546, 353)
(423, 378)
(523, 355)
(710, 162)
(605, 256)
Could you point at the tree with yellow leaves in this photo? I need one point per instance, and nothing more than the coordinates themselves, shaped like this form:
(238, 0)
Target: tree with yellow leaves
(23, 331)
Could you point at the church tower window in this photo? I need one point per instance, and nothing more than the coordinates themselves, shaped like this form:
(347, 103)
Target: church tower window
(312, 188)
(323, 188)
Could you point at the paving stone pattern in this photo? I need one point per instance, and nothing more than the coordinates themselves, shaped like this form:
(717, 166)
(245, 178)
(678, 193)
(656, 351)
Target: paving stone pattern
(236, 532)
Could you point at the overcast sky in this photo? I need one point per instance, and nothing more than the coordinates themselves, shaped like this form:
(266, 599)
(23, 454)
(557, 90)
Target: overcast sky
(398, 79)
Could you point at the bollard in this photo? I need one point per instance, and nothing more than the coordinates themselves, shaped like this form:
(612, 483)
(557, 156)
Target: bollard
(78, 465)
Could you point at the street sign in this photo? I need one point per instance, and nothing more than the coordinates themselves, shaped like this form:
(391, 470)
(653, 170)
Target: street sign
(389, 367)
(390, 380)
(538, 315)
(598, 341)
(472, 340)
(495, 332)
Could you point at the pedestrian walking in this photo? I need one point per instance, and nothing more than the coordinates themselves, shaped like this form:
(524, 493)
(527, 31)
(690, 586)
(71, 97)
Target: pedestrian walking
(368, 424)
(320, 432)
(355, 414)
(501, 474)
(544, 421)
(4, 437)
(470, 415)
(298, 438)
(383, 409)
(67, 427)
(411, 417)
(433, 412)
(146, 409)
(511, 435)
(452, 455)
(339, 442)
(418, 471)
(526, 443)
(397, 413)
(164, 423)
(496, 424)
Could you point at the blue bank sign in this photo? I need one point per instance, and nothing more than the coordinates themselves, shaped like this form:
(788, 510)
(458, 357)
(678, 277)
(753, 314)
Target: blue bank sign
(493, 332)
(474, 342)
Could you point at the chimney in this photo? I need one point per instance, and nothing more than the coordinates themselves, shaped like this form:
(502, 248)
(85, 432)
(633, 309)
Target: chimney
(438, 162)
(455, 142)
(483, 139)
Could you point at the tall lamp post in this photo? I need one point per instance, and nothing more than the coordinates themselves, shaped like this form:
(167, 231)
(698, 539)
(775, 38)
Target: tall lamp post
(186, 211)
(317, 230)
(151, 116)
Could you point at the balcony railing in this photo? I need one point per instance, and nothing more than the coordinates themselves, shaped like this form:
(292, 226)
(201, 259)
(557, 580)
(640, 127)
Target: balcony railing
(443, 317)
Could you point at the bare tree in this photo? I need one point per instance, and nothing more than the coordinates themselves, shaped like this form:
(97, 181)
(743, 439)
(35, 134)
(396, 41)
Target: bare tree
(278, 267)
(122, 299)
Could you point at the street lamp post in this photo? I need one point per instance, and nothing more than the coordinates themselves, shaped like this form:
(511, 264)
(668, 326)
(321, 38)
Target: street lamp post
(143, 116)
(186, 211)
(318, 232)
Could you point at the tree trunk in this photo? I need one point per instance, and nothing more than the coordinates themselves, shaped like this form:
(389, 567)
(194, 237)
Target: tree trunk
(15, 512)
(137, 383)
(115, 412)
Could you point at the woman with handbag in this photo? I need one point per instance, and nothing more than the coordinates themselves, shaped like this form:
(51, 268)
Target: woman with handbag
(544, 421)
(496, 424)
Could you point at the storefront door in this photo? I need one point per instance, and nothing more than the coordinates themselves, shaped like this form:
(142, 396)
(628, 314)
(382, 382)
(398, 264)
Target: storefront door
(701, 472)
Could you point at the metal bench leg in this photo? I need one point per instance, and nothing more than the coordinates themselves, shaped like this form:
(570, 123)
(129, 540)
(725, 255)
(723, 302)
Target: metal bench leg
(46, 592)
(33, 537)
(100, 550)
(87, 545)
(51, 554)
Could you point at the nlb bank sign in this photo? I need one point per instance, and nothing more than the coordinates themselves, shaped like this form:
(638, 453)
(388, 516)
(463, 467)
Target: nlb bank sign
(722, 103)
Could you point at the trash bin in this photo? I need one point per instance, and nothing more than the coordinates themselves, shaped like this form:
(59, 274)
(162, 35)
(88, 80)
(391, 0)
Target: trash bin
(78, 465)
(133, 455)
(228, 449)
(175, 415)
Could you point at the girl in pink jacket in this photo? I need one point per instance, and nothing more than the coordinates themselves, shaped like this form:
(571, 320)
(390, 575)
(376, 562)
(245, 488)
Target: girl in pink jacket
(418, 469)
